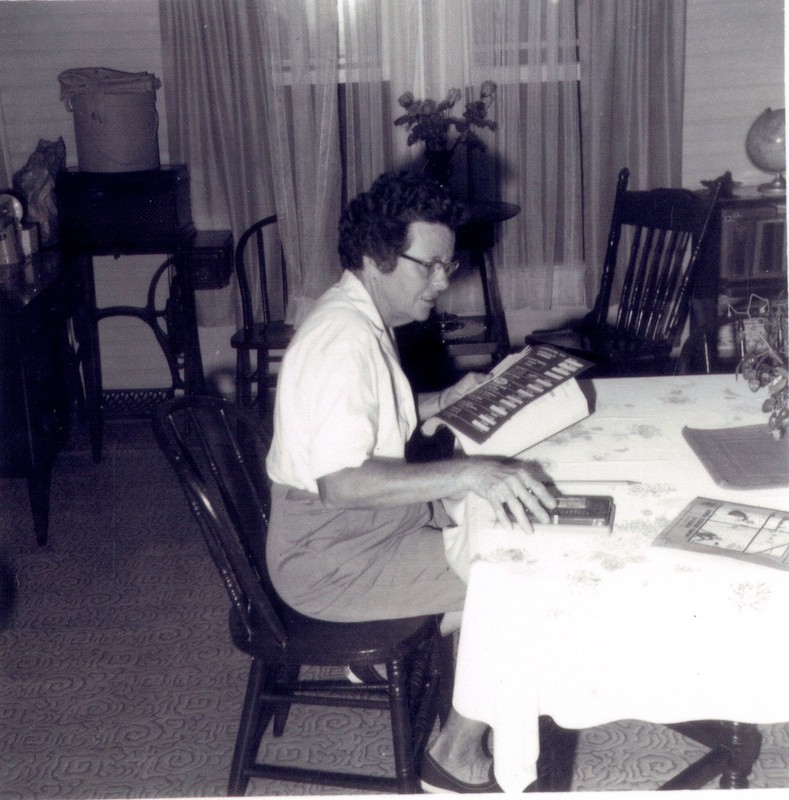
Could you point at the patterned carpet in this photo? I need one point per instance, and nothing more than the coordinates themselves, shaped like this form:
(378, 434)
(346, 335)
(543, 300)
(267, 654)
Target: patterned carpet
(118, 679)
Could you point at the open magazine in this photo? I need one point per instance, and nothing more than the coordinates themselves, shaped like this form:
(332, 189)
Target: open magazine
(528, 397)
(753, 533)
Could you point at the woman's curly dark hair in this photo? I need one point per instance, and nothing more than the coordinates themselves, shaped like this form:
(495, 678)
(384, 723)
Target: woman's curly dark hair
(375, 223)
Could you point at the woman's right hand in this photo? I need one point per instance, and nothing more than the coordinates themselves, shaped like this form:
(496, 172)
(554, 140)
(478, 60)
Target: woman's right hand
(509, 486)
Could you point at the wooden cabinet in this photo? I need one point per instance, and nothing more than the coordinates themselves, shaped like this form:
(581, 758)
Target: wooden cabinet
(34, 358)
(746, 253)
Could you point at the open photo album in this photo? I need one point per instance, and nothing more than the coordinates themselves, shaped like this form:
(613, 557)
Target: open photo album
(528, 397)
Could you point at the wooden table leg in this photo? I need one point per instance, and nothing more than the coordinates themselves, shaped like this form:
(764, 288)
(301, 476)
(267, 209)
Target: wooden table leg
(746, 742)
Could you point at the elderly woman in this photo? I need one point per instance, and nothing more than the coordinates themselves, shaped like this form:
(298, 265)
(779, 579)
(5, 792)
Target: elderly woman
(353, 535)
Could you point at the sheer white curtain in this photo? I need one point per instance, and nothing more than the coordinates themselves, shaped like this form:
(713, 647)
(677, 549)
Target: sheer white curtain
(215, 89)
(632, 90)
(301, 64)
(538, 166)
(252, 109)
(533, 159)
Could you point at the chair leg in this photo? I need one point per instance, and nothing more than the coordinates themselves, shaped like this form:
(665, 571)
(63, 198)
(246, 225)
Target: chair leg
(405, 768)
(250, 730)
(445, 655)
(243, 383)
(289, 676)
(38, 483)
(261, 372)
(425, 684)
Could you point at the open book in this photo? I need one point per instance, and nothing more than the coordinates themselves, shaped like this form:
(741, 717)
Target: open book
(528, 397)
(753, 533)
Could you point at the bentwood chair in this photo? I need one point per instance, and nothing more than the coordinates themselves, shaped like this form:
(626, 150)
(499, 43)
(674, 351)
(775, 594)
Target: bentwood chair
(263, 286)
(663, 233)
(217, 450)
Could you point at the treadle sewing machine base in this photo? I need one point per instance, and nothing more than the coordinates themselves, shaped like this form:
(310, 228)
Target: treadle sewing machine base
(174, 327)
(135, 213)
(133, 403)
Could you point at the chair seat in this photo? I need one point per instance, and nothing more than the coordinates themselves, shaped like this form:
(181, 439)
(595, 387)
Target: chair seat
(320, 643)
(612, 354)
(273, 335)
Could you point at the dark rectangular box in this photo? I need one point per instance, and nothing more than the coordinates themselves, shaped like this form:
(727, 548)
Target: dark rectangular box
(124, 211)
(209, 257)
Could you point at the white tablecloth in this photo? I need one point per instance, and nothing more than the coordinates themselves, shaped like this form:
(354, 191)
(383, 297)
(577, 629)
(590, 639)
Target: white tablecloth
(591, 628)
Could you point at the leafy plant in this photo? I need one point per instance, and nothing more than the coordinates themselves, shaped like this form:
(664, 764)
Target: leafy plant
(766, 362)
(432, 122)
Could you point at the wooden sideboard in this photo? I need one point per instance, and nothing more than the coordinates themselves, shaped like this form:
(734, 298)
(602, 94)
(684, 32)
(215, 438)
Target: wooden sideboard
(34, 379)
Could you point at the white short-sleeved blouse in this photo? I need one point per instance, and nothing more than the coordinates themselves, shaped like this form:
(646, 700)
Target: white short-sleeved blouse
(342, 396)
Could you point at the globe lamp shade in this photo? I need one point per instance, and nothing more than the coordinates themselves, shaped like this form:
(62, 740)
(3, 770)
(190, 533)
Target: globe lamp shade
(765, 145)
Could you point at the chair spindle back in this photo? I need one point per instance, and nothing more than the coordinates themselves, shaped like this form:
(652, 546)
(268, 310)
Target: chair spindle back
(250, 253)
(666, 230)
(218, 452)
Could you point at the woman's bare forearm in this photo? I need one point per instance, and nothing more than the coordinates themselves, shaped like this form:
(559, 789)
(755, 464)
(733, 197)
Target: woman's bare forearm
(506, 484)
(383, 483)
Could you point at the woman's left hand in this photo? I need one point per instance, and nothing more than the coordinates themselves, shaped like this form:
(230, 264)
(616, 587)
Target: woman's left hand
(468, 382)
(430, 403)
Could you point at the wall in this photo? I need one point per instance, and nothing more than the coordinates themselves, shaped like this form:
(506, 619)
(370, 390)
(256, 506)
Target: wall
(38, 40)
(734, 70)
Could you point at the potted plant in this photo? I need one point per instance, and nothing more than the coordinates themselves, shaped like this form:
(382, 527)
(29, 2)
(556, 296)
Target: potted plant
(434, 124)
(766, 361)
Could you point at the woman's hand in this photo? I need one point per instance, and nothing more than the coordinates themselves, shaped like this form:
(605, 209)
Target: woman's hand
(430, 403)
(509, 486)
(468, 382)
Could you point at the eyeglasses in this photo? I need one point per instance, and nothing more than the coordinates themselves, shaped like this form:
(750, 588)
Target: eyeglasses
(449, 267)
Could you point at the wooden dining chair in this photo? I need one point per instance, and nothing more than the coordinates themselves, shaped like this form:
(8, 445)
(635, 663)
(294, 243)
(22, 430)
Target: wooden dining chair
(218, 451)
(646, 283)
(263, 286)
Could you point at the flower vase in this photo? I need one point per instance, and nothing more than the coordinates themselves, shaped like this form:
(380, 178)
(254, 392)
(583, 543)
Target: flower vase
(438, 165)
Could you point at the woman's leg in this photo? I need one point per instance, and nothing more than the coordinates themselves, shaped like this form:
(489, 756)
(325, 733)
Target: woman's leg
(458, 749)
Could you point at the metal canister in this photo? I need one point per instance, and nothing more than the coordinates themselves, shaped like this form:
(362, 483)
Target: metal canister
(10, 239)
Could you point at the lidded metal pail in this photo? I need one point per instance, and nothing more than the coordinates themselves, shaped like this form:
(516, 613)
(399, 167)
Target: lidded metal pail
(116, 126)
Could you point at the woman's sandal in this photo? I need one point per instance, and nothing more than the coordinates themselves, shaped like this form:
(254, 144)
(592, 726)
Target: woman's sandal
(434, 779)
(375, 674)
